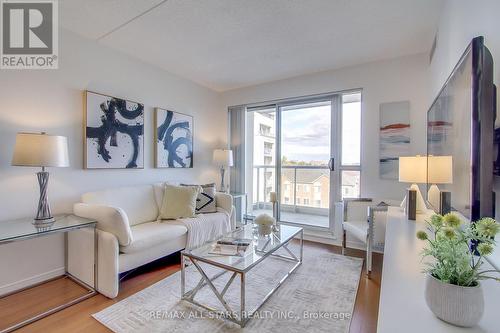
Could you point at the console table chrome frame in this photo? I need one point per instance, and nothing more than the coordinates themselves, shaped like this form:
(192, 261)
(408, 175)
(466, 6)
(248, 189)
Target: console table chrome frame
(92, 290)
(242, 317)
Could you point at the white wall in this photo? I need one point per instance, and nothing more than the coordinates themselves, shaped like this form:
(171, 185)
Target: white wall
(386, 81)
(51, 100)
(460, 21)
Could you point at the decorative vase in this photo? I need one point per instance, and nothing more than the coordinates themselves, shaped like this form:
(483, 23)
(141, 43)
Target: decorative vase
(457, 305)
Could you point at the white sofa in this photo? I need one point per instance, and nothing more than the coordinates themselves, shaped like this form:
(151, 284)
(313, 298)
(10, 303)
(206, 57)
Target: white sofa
(129, 234)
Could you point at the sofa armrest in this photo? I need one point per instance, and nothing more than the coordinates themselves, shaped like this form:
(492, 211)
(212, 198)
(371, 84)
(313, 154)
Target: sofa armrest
(224, 201)
(108, 282)
(110, 219)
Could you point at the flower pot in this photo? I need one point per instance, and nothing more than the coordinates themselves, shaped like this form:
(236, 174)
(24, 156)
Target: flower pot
(460, 306)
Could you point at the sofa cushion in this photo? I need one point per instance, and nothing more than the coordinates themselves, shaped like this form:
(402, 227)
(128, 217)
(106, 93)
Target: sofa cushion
(159, 190)
(138, 202)
(148, 235)
(179, 202)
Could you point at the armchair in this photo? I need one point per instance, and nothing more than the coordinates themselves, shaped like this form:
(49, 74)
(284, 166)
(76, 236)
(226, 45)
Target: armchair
(364, 219)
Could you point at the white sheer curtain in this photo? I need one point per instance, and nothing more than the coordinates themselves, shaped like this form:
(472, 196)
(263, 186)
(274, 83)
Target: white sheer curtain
(237, 126)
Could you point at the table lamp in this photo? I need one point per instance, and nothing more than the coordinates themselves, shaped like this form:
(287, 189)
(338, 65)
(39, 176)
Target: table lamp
(223, 158)
(41, 150)
(413, 169)
(439, 171)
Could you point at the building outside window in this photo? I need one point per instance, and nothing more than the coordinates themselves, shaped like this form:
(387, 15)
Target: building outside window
(265, 130)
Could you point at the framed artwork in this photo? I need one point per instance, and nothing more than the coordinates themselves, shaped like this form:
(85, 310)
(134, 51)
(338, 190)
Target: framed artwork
(173, 139)
(114, 133)
(394, 137)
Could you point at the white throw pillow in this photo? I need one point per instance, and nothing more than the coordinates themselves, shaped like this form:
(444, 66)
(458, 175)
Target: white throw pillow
(179, 202)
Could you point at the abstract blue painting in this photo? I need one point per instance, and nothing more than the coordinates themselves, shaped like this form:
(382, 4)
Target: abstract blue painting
(394, 137)
(173, 139)
(114, 133)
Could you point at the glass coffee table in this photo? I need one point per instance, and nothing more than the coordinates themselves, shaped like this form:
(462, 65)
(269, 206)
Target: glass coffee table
(264, 247)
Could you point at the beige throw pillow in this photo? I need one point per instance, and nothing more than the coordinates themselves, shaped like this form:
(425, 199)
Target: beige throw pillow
(179, 202)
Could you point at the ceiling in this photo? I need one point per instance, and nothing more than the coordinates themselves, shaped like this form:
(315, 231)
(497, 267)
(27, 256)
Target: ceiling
(228, 44)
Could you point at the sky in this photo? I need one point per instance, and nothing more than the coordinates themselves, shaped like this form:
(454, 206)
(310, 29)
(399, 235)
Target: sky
(306, 133)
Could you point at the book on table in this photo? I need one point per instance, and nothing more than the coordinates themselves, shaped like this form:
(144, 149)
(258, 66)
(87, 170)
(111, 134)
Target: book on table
(232, 247)
(235, 241)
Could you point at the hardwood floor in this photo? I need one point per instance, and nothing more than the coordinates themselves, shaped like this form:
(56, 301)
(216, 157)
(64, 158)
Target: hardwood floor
(78, 317)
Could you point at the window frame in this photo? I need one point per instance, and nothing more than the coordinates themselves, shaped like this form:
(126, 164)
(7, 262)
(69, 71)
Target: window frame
(350, 167)
(336, 99)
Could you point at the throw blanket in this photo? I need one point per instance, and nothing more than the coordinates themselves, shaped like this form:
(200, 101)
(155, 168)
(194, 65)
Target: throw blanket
(206, 227)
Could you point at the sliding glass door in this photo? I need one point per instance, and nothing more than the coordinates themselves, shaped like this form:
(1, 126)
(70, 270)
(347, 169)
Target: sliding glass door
(307, 159)
(307, 151)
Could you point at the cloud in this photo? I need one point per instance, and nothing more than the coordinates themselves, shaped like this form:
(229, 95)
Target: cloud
(317, 132)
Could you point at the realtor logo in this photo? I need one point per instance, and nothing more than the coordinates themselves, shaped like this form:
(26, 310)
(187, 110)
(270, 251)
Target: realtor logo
(29, 34)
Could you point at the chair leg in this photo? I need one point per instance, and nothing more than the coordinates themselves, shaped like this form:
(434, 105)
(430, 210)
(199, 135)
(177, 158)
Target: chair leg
(343, 242)
(369, 255)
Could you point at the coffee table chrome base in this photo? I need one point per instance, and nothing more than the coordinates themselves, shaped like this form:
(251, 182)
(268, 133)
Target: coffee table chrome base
(240, 317)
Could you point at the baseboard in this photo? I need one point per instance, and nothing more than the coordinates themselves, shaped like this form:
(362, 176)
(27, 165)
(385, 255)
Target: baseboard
(11, 287)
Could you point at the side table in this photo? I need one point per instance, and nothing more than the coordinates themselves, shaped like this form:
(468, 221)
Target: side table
(22, 229)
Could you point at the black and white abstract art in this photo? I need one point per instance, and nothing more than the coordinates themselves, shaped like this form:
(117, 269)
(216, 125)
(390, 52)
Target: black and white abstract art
(173, 139)
(114, 133)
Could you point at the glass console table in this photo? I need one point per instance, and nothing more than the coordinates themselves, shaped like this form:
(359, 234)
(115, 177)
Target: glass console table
(22, 229)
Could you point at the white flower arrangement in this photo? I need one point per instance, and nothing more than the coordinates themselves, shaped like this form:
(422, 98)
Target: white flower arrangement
(264, 220)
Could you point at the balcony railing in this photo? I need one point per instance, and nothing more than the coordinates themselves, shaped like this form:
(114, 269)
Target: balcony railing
(314, 213)
(263, 184)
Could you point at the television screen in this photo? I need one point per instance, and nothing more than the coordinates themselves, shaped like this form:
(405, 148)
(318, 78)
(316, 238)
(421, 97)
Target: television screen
(460, 127)
(449, 134)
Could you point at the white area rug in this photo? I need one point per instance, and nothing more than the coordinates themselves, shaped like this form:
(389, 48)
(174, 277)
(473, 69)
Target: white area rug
(318, 297)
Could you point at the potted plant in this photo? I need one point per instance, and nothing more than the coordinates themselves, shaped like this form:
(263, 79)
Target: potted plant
(453, 290)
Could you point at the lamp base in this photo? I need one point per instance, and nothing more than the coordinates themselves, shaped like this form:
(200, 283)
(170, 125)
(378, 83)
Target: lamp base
(48, 220)
(43, 215)
(42, 224)
(433, 195)
(223, 188)
(421, 206)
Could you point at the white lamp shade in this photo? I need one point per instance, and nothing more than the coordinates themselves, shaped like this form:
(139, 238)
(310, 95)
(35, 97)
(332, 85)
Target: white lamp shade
(413, 169)
(40, 150)
(223, 157)
(440, 169)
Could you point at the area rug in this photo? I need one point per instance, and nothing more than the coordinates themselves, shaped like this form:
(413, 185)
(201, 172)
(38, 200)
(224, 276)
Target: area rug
(318, 297)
